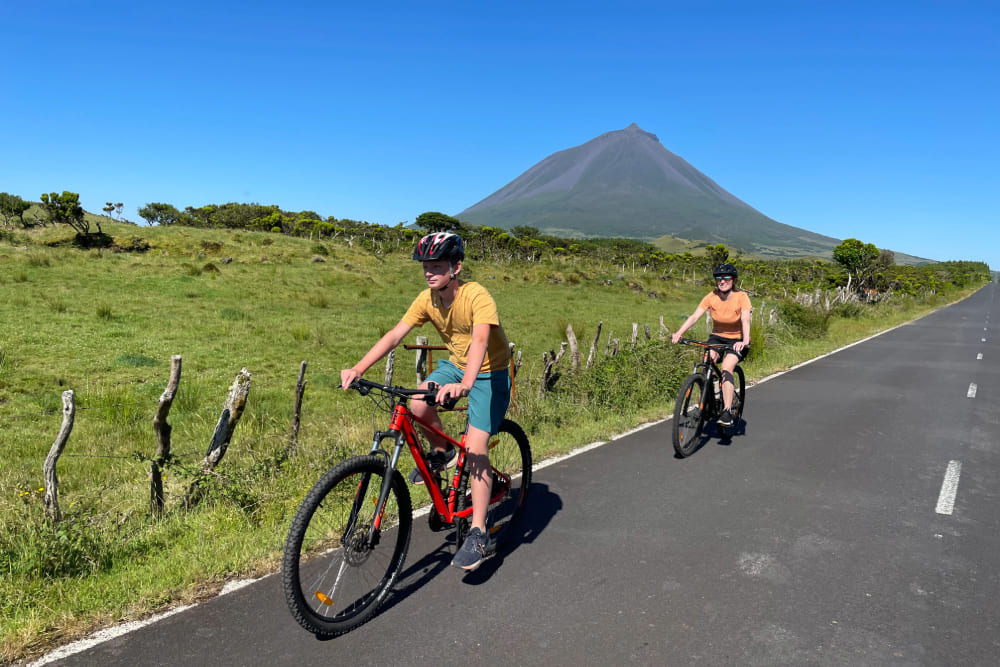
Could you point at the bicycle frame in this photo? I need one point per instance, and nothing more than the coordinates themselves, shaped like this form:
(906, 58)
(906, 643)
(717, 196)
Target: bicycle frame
(404, 433)
(709, 369)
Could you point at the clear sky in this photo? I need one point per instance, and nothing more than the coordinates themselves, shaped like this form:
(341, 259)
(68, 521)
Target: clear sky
(872, 120)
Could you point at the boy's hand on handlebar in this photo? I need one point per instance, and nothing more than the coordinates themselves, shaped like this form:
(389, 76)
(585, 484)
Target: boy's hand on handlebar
(347, 378)
(455, 391)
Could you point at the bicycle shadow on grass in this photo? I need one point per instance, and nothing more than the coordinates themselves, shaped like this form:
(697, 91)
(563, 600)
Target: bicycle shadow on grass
(542, 506)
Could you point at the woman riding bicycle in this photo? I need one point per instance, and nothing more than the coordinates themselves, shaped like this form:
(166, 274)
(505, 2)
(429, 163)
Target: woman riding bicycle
(730, 310)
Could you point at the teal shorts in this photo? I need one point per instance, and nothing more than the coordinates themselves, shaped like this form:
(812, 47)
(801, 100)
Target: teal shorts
(488, 399)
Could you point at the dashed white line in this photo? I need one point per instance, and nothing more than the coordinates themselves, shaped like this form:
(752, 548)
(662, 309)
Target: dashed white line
(972, 390)
(979, 357)
(949, 487)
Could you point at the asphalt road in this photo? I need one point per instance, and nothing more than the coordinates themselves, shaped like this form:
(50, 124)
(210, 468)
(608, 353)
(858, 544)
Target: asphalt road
(853, 520)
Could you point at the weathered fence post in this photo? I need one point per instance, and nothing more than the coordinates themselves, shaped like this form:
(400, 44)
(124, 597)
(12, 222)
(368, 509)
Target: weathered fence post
(162, 430)
(236, 401)
(645, 328)
(664, 331)
(422, 356)
(635, 333)
(593, 345)
(574, 349)
(390, 362)
(300, 390)
(49, 469)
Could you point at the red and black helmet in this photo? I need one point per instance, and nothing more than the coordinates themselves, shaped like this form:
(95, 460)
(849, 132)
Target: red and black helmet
(440, 245)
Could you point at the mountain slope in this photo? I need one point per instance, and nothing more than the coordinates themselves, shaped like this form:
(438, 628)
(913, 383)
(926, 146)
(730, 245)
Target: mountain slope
(626, 184)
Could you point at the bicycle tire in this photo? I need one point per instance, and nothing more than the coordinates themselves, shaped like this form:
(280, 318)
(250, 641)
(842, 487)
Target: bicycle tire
(510, 461)
(333, 581)
(689, 417)
(739, 400)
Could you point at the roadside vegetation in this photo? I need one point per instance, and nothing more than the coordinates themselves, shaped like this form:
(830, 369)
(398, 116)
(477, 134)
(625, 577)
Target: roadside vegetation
(104, 319)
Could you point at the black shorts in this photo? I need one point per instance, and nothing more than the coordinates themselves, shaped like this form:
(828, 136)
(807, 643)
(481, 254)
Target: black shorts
(719, 340)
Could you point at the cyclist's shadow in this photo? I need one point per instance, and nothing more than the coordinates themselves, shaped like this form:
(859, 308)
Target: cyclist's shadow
(714, 432)
(542, 506)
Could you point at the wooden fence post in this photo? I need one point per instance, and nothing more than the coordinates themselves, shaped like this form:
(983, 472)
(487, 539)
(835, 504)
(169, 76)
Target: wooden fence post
(300, 390)
(574, 348)
(162, 430)
(49, 469)
(422, 356)
(236, 401)
(593, 345)
(390, 362)
(635, 333)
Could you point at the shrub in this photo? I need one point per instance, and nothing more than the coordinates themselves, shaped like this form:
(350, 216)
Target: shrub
(806, 322)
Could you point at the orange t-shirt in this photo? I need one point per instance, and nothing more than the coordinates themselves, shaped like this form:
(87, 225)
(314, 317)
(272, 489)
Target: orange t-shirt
(726, 314)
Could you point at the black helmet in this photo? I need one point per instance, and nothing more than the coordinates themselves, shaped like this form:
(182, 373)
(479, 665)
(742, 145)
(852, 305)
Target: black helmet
(726, 270)
(440, 245)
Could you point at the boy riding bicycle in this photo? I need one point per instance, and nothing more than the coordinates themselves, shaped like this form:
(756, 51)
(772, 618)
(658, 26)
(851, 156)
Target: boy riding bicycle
(465, 316)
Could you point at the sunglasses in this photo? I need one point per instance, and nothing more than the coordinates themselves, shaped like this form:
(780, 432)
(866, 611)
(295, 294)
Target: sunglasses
(722, 279)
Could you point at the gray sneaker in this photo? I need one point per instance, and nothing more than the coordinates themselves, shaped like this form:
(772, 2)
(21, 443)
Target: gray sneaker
(437, 461)
(726, 418)
(476, 548)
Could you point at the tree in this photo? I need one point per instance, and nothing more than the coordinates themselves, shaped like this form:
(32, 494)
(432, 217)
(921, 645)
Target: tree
(433, 221)
(160, 214)
(66, 209)
(525, 232)
(12, 206)
(860, 259)
(717, 254)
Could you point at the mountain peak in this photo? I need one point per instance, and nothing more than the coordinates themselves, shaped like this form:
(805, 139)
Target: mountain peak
(625, 183)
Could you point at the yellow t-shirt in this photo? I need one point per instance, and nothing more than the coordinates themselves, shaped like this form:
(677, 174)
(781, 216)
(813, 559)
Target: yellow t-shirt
(726, 314)
(473, 305)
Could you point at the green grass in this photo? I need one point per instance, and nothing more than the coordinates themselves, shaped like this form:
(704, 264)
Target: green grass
(106, 323)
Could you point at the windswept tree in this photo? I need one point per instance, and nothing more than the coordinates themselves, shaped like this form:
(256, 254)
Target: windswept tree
(861, 260)
(65, 208)
(433, 221)
(717, 254)
(160, 214)
(525, 232)
(12, 206)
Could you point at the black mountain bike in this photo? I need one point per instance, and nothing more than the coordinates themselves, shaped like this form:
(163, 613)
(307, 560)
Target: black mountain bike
(699, 400)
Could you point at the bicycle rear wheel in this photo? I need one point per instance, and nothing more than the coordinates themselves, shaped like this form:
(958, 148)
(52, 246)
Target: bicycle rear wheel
(689, 417)
(334, 577)
(510, 462)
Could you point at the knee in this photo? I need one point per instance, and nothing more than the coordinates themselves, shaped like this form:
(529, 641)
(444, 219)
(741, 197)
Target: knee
(727, 376)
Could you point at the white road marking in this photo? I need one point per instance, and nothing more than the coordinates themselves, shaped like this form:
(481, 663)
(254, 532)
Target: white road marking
(949, 487)
(979, 356)
(972, 390)
(984, 340)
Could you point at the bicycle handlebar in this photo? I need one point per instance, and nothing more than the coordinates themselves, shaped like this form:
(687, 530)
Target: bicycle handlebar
(718, 346)
(364, 387)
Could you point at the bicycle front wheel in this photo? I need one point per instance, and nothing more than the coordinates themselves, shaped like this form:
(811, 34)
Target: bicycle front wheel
(510, 465)
(342, 554)
(689, 416)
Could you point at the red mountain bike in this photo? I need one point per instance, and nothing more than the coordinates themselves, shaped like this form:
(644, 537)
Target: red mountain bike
(699, 400)
(348, 541)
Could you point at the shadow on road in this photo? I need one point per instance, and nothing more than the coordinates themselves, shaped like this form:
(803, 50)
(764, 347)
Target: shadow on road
(542, 506)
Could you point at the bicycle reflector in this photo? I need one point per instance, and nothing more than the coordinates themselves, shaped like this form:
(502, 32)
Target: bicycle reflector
(323, 598)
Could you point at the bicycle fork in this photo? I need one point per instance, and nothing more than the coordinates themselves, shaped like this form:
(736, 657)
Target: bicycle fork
(383, 494)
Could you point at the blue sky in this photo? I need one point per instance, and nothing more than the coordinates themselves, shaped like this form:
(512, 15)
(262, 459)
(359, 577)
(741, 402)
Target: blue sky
(873, 120)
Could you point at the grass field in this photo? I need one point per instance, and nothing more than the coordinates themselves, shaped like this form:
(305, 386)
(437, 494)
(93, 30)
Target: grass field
(106, 323)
